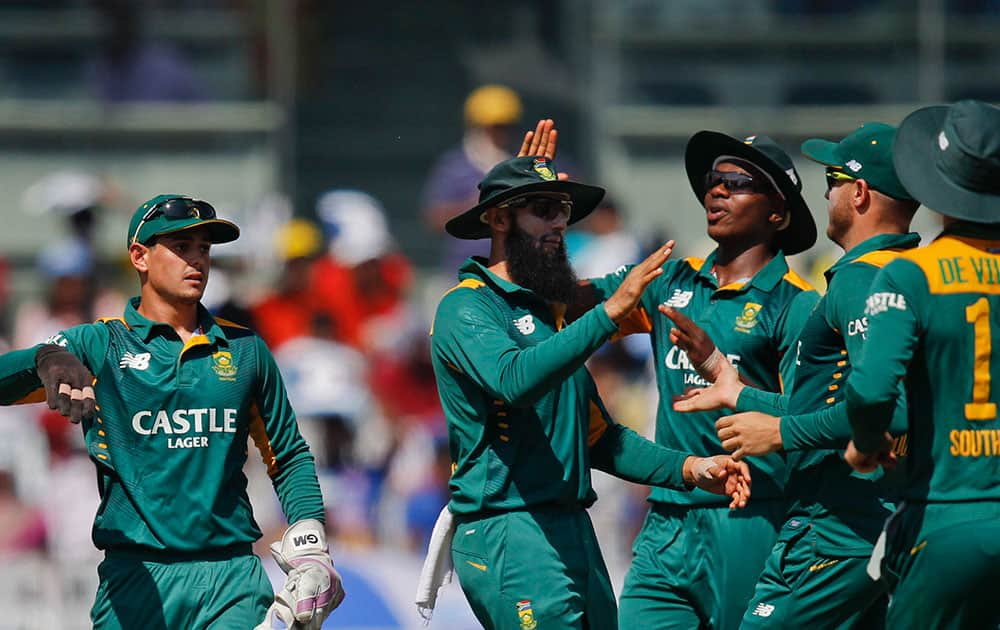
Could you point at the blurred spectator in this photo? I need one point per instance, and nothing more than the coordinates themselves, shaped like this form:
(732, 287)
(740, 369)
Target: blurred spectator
(128, 67)
(492, 113)
(289, 311)
(22, 528)
(361, 283)
(601, 244)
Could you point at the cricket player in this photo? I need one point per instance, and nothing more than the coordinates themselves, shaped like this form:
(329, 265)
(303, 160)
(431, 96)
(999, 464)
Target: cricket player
(932, 316)
(816, 574)
(525, 421)
(168, 396)
(695, 562)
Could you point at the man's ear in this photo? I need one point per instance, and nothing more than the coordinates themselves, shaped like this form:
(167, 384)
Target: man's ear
(861, 195)
(138, 255)
(499, 219)
(779, 213)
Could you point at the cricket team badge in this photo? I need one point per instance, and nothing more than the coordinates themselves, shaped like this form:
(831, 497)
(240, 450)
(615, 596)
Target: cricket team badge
(542, 168)
(222, 364)
(746, 320)
(526, 615)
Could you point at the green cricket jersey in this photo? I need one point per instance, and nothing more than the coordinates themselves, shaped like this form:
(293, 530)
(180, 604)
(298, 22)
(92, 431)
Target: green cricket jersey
(846, 508)
(754, 323)
(933, 315)
(525, 422)
(170, 436)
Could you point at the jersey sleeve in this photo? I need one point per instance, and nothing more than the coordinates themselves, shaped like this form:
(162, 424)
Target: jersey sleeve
(19, 381)
(846, 306)
(470, 334)
(786, 338)
(275, 431)
(620, 451)
(896, 299)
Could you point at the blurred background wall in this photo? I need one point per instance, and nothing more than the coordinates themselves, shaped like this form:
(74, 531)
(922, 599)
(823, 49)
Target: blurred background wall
(352, 118)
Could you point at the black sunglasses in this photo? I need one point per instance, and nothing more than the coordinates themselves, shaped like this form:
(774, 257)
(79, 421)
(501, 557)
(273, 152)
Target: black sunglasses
(546, 208)
(177, 208)
(736, 183)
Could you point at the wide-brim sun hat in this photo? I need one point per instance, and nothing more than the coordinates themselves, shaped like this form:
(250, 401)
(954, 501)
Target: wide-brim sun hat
(517, 177)
(705, 147)
(948, 158)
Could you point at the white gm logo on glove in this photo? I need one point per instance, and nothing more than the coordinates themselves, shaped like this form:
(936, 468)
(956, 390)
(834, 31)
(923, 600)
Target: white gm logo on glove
(312, 589)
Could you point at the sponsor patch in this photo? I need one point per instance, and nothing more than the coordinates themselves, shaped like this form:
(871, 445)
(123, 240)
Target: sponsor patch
(884, 300)
(135, 361)
(763, 610)
(854, 165)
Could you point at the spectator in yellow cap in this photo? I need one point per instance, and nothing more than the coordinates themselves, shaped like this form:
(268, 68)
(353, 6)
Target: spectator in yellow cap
(492, 114)
(289, 312)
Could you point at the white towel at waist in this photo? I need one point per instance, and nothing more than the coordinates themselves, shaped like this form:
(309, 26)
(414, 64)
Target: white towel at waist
(437, 569)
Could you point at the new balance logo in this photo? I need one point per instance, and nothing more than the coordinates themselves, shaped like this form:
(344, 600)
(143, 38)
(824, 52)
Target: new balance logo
(57, 340)
(679, 299)
(525, 325)
(763, 610)
(135, 361)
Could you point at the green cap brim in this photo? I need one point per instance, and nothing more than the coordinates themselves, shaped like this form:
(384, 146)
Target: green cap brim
(913, 158)
(822, 151)
(219, 230)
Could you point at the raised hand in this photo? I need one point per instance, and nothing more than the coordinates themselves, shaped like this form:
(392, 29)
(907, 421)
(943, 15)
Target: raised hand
(693, 340)
(749, 434)
(720, 474)
(542, 141)
(624, 300)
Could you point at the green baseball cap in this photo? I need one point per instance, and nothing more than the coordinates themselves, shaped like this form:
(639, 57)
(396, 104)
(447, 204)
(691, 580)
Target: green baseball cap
(948, 157)
(865, 154)
(513, 178)
(165, 214)
(705, 147)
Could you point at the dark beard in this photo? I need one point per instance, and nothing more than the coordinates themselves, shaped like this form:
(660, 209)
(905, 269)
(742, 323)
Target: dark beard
(546, 273)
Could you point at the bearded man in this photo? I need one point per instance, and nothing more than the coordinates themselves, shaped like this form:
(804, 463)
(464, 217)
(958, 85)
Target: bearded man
(525, 421)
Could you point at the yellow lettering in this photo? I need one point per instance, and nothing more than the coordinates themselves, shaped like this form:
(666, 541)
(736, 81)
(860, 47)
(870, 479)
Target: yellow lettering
(954, 442)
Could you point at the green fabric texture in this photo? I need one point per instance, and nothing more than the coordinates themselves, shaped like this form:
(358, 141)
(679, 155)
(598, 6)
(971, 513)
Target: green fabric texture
(941, 564)
(754, 323)
(865, 153)
(802, 588)
(931, 316)
(525, 421)
(190, 410)
(695, 567)
(223, 594)
(532, 569)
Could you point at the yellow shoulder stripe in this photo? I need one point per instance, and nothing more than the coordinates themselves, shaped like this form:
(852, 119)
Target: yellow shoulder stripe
(229, 324)
(958, 265)
(468, 283)
(879, 258)
(798, 281)
(105, 320)
(695, 263)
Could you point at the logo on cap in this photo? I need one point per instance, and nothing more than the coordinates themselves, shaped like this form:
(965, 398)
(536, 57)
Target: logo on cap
(942, 141)
(854, 165)
(542, 168)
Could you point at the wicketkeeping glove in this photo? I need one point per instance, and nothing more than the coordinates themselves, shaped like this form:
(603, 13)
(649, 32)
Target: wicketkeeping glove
(312, 589)
(69, 386)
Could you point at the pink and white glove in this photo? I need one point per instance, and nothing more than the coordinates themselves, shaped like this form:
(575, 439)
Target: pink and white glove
(312, 589)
